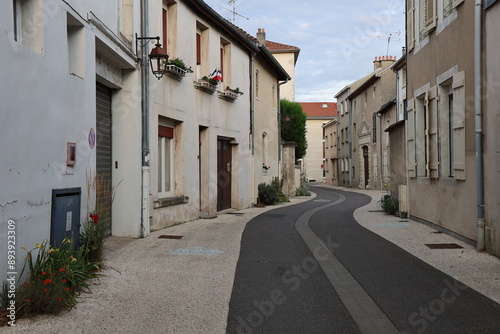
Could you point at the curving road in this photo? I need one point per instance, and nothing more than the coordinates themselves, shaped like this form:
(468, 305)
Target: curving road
(310, 268)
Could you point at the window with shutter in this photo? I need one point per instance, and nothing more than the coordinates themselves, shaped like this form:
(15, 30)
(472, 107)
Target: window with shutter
(164, 20)
(432, 133)
(447, 7)
(412, 171)
(410, 29)
(430, 14)
(458, 125)
(445, 109)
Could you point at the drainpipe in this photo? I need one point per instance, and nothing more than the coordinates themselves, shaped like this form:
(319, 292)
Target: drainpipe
(479, 124)
(252, 125)
(145, 228)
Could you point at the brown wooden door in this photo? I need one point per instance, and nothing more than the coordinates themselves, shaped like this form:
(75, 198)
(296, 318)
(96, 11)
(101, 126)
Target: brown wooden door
(366, 164)
(223, 175)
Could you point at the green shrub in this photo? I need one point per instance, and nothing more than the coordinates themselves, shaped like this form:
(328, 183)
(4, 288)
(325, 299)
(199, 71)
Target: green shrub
(389, 204)
(303, 189)
(277, 184)
(92, 239)
(267, 194)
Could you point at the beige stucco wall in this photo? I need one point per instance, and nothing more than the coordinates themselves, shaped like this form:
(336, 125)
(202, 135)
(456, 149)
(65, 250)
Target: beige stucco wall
(492, 136)
(314, 155)
(287, 61)
(266, 131)
(191, 109)
(331, 173)
(447, 202)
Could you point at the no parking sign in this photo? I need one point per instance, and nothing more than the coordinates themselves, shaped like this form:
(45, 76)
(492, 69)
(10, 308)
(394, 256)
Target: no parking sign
(92, 138)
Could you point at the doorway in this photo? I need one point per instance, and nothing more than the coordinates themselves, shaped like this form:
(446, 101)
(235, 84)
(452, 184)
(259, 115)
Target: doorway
(224, 174)
(366, 165)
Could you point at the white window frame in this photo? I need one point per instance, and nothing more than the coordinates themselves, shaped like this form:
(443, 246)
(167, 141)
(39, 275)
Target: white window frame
(164, 188)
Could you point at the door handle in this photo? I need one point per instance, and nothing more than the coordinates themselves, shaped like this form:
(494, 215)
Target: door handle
(228, 167)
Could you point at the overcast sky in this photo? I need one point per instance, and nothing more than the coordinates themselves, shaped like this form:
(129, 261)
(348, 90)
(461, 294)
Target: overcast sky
(338, 39)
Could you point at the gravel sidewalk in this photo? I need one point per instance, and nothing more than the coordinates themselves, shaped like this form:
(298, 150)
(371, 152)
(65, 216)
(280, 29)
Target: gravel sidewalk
(155, 285)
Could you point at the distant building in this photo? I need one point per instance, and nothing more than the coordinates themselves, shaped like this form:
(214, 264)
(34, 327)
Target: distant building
(363, 145)
(318, 114)
(330, 152)
(287, 56)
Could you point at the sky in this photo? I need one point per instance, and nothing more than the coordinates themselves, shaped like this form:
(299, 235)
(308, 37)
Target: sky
(338, 39)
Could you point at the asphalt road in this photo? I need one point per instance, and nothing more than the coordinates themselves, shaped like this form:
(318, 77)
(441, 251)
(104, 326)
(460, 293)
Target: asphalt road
(310, 268)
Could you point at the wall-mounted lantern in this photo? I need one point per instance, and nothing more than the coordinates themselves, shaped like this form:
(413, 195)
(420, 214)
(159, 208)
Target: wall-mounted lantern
(158, 57)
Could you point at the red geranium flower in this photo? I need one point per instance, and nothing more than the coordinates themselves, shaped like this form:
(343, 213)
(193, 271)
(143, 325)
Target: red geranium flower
(67, 289)
(47, 281)
(62, 269)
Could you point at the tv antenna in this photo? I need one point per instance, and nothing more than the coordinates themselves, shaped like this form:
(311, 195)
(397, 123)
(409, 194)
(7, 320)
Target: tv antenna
(389, 35)
(233, 11)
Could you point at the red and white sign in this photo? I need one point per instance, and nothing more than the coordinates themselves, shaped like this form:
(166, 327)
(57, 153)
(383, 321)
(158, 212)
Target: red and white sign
(92, 138)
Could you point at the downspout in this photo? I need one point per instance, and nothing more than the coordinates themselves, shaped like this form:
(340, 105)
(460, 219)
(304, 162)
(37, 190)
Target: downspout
(479, 124)
(252, 125)
(279, 119)
(145, 228)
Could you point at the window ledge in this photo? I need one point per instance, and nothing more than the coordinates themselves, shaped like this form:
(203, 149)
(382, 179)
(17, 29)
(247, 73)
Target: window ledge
(170, 201)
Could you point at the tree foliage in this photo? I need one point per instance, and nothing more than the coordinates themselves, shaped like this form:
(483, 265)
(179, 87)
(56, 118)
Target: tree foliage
(293, 126)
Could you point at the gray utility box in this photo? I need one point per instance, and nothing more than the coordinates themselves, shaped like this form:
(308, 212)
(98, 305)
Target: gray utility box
(65, 218)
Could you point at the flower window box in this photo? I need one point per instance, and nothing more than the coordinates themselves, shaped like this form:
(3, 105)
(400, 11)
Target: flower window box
(175, 72)
(228, 95)
(205, 86)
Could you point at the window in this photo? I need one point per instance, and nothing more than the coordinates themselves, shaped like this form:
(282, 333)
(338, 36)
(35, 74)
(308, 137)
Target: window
(225, 61)
(164, 30)
(452, 127)
(169, 27)
(410, 21)
(374, 127)
(126, 22)
(76, 46)
(165, 157)
(202, 67)
(427, 16)
(28, 21)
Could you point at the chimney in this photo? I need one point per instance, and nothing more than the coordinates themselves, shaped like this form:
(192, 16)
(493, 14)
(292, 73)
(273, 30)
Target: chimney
(383, 62)
(261, 35)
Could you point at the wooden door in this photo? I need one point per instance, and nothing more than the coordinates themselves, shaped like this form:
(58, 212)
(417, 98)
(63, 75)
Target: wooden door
(224, 167)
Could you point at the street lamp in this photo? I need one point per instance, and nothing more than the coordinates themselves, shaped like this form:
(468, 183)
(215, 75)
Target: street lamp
(158, 57)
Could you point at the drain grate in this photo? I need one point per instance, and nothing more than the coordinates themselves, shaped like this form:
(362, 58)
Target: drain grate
(443, 246)
(165, 236)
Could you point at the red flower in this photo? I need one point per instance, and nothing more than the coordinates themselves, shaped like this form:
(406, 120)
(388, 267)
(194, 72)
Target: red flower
(25, 284)
(44, 273)
(27, 300)
(64, 280)
(67, 289)
(45, 290)
(47, 281)
(52, 275)
(94, 218)
(62, 269)
(59, 298)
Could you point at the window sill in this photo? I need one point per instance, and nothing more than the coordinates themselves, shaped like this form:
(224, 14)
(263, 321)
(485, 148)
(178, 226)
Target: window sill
(170, 201)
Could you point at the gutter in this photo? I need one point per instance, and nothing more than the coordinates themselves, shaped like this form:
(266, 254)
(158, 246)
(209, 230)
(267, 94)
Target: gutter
(479, 124)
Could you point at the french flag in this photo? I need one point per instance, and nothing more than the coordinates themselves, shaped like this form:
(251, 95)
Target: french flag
(217, 75)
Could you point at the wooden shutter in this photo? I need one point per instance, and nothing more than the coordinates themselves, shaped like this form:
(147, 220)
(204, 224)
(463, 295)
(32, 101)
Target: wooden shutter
(430, 14)
(198, 49)
(456, 3)
(410, 28)
(412, 170)
(165, 131)
(432, 130)
(222, 62)
(164, 28)
(459, 125)
(421, 136)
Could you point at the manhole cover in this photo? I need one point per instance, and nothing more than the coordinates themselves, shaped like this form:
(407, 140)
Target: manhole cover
(165, 236)
(443, 246)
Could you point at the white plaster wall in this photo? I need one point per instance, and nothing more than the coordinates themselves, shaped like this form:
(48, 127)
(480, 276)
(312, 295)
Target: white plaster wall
(182, 102)
(43, 108)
